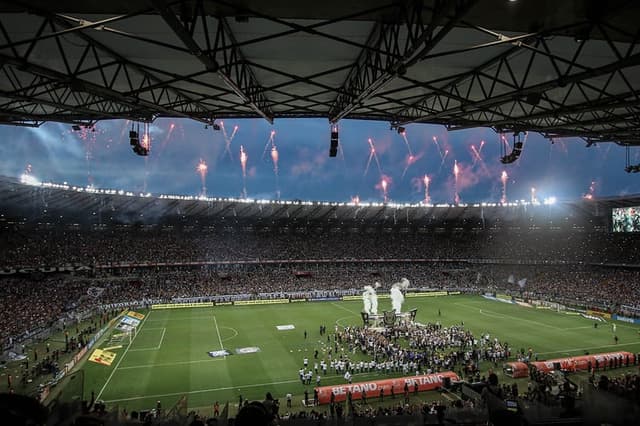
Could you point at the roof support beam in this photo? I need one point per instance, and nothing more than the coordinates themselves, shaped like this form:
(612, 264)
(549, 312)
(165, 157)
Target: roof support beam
(234, 69)
(372, 70)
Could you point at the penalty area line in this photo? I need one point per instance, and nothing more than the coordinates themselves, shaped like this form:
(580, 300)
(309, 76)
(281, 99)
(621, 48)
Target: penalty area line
(122, 357)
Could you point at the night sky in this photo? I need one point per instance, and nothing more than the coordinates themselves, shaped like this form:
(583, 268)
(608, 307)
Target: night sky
(103, 158)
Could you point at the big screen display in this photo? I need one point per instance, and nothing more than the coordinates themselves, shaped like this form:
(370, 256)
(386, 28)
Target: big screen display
(625, 219)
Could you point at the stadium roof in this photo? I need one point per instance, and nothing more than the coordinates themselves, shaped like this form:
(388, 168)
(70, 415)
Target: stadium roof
(562, 68)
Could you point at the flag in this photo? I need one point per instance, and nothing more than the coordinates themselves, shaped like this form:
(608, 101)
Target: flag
(511, 279)
(522, 282)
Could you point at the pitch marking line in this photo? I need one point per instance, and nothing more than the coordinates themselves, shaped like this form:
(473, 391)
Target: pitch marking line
(219, 337)
(164, 330)
(170, 364)
(122, 357)
(492, 314)
(232, 337)
(346, 309)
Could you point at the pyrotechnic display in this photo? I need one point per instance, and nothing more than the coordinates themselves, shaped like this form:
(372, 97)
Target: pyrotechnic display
(228, 138)
(426, 181)
(243, 164)
(372, 155)
(456, 173)
(504, 177)
(406, 166)
(201, 169)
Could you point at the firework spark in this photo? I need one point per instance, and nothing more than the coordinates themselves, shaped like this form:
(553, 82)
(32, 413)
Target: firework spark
(202, 169)
(504, 177)
(534, 199)
(426, 181)
(274, 158)
(355, 200)
(442, 155)
(456, 172)
(243, 163)
(410, 160)
(592, 190)
(270, 143)
(384, 184)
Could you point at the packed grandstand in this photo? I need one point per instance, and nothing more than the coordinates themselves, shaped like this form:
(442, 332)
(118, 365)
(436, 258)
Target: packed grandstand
(62, 264)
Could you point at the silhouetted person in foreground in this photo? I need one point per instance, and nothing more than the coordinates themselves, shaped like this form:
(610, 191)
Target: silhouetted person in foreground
(254, 414)
(18, 410)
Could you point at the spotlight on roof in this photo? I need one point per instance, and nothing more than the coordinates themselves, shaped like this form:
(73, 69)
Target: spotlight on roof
(518, 144)
(333, 148)
(216, 126)
(401, 130)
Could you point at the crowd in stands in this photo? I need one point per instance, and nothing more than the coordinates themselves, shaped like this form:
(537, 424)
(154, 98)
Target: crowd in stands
(28, 247)
(626, 385)
(35, 301)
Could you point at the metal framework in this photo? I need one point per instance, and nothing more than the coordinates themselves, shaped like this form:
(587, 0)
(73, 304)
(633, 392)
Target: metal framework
(569, 69)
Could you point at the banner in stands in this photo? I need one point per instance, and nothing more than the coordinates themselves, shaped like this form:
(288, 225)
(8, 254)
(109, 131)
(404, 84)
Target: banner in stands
(260, 302)
(427, 294)
(46, 269)
(626, 319)
(584, 362)
(182, 305)
(372, 389)
(599, 313)
(135, 315)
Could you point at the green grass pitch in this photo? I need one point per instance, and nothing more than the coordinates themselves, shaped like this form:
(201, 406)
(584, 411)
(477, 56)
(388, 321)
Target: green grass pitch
(168, 357)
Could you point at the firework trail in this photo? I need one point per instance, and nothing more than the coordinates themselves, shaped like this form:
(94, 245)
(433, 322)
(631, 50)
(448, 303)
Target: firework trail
(243, 163)
(435, 140)
(426, 181)
(410, 160)
(201, 169)
(384, 184)
(228, 139)
(481, 146)
(406, 142)
(355, 200)
(270, 143)
(504, 178)
(476, 155)
(534, 200)
(274, 158)
(442, 160)
(456, 172)
(592, 190)
(145, 141)
(477, 158)
(372, 155)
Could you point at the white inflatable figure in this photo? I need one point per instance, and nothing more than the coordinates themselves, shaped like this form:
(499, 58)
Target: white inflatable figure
(374, 299)
(366, 298)
(397, 298)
